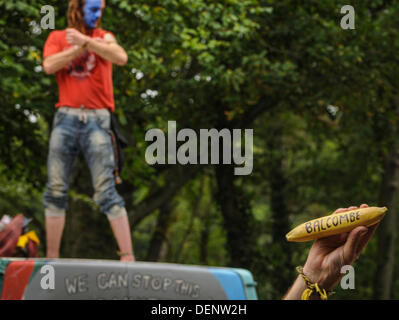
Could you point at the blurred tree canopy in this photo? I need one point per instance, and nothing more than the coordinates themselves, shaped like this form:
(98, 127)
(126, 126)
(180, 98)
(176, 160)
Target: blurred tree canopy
(323, 103)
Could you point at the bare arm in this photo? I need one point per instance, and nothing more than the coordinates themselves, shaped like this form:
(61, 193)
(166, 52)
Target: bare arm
(110, 51)
(295, 292)
(107, 48)
(56, 62)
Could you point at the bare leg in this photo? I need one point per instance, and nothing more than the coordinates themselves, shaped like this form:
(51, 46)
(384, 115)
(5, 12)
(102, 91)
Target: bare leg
(121, 229)
(54, 229)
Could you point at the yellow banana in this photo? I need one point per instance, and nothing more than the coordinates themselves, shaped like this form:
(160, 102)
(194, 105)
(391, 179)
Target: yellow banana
(336, 223)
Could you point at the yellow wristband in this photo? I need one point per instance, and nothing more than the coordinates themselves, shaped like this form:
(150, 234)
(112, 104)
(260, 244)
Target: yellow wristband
(312, 287)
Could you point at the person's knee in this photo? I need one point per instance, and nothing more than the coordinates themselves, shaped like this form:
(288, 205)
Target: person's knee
(116, 212)
(54, 212)
(55, 198)
(109, 201)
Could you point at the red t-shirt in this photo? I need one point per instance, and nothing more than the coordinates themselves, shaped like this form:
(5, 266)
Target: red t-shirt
(87, 80)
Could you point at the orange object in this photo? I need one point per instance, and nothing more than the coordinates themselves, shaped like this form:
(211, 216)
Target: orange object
(87, 80)
(16, 279)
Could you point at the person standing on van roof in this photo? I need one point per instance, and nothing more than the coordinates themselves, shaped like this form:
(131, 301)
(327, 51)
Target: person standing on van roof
(81, 56)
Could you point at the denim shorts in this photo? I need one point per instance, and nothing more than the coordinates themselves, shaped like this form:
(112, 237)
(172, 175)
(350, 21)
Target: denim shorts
(85, 131)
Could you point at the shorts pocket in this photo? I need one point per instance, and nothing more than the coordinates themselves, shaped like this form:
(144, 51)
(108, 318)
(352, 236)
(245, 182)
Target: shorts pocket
(58, 118)
(104, 122)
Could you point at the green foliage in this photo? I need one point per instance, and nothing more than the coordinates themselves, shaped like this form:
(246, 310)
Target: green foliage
(284, 68)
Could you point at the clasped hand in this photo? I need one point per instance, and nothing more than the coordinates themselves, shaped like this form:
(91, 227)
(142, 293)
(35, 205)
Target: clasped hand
(74, 37)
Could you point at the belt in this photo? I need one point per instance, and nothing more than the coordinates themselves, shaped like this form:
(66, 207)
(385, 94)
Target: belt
(83, 113)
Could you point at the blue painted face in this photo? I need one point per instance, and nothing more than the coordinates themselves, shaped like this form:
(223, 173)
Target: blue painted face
(92, 12)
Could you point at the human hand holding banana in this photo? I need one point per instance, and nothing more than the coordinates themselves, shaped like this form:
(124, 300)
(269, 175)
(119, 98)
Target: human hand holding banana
(329, 254)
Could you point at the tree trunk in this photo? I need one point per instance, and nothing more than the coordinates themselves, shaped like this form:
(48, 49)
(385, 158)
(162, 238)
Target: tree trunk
(386, 232)
(278, 183)
(204, 244)
(238, 219)
(159, 235)
(194, 214)
(204, 237)
(282, 251)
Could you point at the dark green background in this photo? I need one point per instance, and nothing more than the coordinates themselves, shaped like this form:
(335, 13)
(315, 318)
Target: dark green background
(271, 66)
